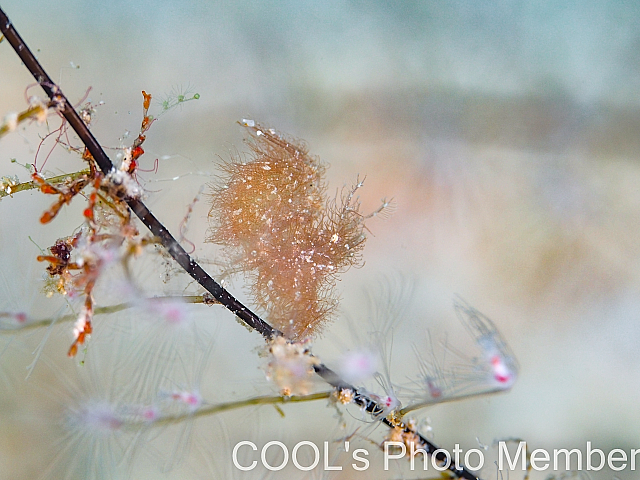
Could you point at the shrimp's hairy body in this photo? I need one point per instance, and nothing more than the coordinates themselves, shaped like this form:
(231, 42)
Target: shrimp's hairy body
(278, 226)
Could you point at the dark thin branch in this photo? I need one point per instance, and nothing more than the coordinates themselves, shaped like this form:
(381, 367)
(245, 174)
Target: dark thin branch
(376, 411)
(65, 108)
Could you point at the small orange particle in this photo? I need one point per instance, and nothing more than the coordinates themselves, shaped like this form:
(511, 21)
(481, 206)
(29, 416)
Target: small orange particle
(147, 100)
(46, 217)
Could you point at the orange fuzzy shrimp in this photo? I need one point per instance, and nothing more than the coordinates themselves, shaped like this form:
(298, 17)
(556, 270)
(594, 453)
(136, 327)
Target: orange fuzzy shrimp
(279, 227)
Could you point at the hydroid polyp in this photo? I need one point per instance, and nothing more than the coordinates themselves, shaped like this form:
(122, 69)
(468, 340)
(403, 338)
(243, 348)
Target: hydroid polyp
(448, 373)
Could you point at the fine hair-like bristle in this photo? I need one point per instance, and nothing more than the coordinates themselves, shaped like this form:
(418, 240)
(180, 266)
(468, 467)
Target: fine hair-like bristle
(278, 226)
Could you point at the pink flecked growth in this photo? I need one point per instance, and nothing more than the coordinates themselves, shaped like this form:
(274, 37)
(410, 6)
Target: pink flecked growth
(434, 390)
(15, 320)
(172, 313)
(357, 366)
(503, 374)
(148, 413)
(101, 418)
(189, 398)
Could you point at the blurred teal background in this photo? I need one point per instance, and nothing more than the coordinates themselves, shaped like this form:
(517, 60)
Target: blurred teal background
(507, 134)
